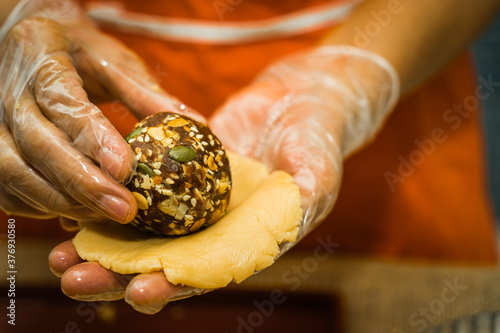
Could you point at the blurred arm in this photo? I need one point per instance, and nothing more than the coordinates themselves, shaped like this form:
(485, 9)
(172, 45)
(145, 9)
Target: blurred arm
(417, 37)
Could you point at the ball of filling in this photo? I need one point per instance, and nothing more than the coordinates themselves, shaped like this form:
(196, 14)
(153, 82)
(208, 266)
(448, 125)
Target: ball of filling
(182, 182)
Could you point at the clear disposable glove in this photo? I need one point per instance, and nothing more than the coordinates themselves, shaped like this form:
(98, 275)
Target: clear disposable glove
(304, 114)
(59, 156)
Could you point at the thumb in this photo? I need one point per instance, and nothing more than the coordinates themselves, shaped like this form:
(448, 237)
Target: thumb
(304, 142)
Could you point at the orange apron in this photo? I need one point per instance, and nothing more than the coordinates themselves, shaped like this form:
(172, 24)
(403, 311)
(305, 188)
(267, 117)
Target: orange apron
(418, 191)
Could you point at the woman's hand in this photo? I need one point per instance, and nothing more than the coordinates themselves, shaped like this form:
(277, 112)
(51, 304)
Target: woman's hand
(306, 113)
(302, 115)
(59, 156)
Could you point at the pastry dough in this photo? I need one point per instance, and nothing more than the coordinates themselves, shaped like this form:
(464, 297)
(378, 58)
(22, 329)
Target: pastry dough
(264, 212)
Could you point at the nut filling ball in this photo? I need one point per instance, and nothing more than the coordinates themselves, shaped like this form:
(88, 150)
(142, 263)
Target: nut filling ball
(182, 182)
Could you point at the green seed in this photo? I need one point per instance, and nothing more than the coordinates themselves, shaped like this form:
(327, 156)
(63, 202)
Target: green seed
(143, 168)
(134, 133)
(182, 154)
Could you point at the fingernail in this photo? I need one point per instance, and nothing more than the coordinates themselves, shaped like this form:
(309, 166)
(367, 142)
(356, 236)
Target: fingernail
(114, 165)
(117, 208)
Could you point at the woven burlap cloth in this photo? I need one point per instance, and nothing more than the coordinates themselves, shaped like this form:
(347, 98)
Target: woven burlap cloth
(390, 296)
(376, 295)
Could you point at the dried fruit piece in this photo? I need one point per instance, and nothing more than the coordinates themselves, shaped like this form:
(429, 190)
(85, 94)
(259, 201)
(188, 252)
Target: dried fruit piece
(178, 122)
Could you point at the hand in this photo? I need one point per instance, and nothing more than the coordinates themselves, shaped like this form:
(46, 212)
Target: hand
(58, 154)
(304, 115)
(89, 281)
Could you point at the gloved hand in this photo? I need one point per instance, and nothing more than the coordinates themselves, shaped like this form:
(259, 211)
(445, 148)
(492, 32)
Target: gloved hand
(305, 114)
(59, 156)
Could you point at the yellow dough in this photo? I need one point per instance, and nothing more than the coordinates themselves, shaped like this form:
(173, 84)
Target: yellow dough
(264, 212)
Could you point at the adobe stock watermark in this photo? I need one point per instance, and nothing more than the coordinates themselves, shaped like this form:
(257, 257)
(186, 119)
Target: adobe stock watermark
(223, 6)
(381, 19)
(426, 315)
(87, 312)
(11, 271)
(293, 278)
(454, 117)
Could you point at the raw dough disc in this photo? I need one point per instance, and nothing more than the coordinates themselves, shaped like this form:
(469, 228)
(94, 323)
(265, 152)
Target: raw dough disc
(264, 212)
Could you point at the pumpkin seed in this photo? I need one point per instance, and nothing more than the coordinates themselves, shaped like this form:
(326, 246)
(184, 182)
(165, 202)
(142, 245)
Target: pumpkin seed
(182, 154)
(143, 168)
(134, 133)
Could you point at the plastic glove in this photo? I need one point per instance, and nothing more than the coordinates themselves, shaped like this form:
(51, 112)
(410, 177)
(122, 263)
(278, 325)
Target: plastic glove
(305, 115)
(58, 154)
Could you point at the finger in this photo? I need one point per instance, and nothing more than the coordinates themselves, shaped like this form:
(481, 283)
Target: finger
(20, 180)
(135, 87)
(60, 96)
(62, 257)
(89, 281)
(12, 205)
(124, 76)
(305, 144)
(44, 146)
(149, 293)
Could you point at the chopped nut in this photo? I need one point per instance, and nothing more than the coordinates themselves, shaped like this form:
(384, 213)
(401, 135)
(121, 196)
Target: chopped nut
(167, 192)
(156, 133)
(197, 225)
(142, 203)
(211, 164)
(146, 182)
(181, 211)
(168, 207)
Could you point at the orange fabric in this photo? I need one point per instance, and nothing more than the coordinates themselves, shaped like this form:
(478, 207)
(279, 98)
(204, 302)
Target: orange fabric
(438, 210)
